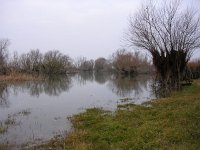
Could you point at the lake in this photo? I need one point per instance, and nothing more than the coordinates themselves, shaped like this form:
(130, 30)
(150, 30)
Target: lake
(37, 111)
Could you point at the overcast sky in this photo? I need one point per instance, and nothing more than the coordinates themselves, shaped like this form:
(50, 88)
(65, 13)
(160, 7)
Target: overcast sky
(90, 28)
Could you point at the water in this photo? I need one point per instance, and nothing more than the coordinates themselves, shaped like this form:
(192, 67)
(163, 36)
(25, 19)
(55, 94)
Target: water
(37, 111)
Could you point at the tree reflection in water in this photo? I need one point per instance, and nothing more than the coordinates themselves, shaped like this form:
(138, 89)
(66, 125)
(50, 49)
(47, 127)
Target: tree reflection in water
(102, 77)
(4, 95)
(48, 114)
(52, 86)
(125, 85)
(120, 85)
(84, 76)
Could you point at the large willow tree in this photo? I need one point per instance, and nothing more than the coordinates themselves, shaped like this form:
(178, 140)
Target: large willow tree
(170, 34)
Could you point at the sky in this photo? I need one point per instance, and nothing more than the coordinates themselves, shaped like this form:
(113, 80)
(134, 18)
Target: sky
(90, 28)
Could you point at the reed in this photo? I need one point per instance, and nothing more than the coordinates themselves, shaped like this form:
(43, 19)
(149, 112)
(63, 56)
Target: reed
(20, 77)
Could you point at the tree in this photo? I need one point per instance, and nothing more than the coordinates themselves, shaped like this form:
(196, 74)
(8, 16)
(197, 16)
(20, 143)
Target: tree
(79, 61)
(25, 63)
(55, 62)
(14, 64)
(169, 34)
(35, 60)
(125, 62)
(4, 43)
(31, 62)
(82, 64)
(87, 65)
(100, 64)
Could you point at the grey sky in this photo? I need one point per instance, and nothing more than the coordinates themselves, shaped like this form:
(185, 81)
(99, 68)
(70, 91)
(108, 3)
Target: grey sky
(90, 28)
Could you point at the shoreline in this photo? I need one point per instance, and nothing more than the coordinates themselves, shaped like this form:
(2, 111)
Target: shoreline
(20, 77)
(171, 122)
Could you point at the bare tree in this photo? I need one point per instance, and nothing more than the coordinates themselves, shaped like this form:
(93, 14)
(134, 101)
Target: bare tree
(87, 65)
(55, 62)
(14, 63)
(4, 43)
(25, 63)
(170, 34)
(79, 61)
(36, 60)
(125, 62)
(82, 64)
(30, 62)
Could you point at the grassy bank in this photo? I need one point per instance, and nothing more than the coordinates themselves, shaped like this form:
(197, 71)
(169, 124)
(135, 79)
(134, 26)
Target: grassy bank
(19, 77)
(170, 123)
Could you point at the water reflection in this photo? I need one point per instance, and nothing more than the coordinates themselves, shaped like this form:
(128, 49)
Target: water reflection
(125, 85)
(54, 86)
(4, 95)
(119, 85)
(49, 102)
(83, 77)
(102, 77)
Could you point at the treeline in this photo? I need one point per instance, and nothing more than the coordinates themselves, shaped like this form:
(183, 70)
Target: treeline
(122, 61)
(54, 62)
(33, 62)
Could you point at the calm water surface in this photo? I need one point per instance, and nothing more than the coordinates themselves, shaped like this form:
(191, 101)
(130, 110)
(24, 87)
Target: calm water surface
(37, 111)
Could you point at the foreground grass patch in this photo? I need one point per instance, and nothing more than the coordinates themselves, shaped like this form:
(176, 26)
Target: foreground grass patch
(170, 123)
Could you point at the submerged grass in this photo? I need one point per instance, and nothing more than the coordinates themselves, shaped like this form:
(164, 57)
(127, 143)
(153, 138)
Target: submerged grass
(125, 99)
(170, 123)
(3, 129)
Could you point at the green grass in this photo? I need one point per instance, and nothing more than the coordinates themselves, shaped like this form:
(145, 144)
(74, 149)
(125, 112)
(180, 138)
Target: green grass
(4, 125)
(171, 123)
(125, 99)
(3, 129)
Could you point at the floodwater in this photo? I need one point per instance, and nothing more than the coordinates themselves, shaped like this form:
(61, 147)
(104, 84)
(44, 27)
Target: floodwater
(37, 111)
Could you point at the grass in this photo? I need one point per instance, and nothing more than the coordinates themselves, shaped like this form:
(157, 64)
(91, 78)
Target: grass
(25, 112)
(4, 125)
(11, 121)
(171, 123)
(19, 77)
(3, 129)
(125, 99)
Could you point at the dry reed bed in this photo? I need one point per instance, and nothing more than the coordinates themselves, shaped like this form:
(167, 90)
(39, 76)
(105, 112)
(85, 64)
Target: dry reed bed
(20, 77)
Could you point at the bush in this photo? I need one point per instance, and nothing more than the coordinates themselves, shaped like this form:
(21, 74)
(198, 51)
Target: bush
(55, 63)
(194, 67)
(127, 62)
(52, 62)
